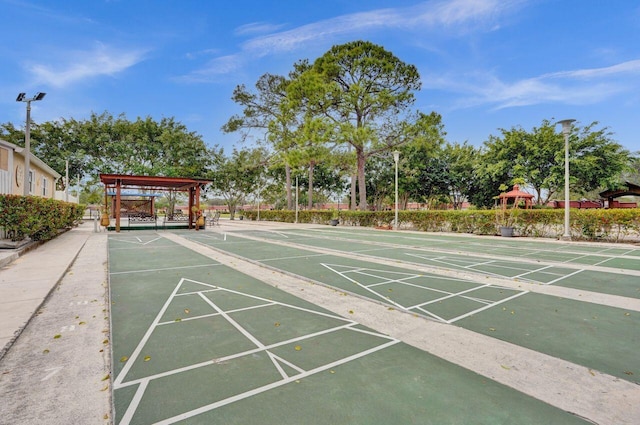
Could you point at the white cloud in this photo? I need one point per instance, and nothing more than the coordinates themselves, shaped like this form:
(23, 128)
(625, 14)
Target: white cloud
(576, 87)
(257, 28)
(83, 65)
(453, 16)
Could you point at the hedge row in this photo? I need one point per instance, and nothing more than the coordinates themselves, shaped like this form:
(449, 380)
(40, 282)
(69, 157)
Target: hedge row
(592, 224)
(38, 218)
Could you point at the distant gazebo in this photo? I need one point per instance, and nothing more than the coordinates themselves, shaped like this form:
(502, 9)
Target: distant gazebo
(517, 195)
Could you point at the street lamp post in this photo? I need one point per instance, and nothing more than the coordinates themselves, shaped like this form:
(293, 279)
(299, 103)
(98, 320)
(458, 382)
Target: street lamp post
(396, 157)
(566, 130)
(27, 137)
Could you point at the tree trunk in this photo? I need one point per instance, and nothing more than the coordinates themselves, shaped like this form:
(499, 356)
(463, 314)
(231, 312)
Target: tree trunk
(353, 205)
(362, 184)
(287, 171)
(310, 190)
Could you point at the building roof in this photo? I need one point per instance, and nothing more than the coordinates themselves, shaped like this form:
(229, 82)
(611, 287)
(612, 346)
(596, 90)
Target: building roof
(32, 158)
(630, 190)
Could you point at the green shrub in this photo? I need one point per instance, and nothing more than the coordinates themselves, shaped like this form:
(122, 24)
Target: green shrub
(589, 224)
(38, 218)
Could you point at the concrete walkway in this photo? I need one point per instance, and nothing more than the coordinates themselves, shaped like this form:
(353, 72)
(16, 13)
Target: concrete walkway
(54, 328)
(26, 280)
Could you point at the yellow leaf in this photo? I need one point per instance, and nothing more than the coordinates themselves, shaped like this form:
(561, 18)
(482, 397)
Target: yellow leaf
(105, 342)
(626, 372)
(178, 320)
(297, 348)
(505, 367)
(390, 308)
(106, 377)
(147, 358)
(276, 324)
(123, 359)
(333, 371)
(57, 336)
(513, 312)
(592, 372)
(186, 310)
(350, 311)
(45, 351)
(82, 323)
(106, 387)
(492, 329)
(627, 314)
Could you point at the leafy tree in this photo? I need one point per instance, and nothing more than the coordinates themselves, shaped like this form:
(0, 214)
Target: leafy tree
(460, 161)
(537, 157)
(361, 87)
(267, 112)
(236, 176)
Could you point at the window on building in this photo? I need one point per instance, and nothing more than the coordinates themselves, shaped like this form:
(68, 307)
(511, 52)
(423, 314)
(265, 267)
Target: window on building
(4, 159)
(30, 181)
(44, 186)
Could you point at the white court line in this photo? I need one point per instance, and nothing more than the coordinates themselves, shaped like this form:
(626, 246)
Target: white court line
(532, 271)
(435, 316)
(455, 319)
(564, 277)
(133, 406)
(234, 356)
(385, 299)
(203, 316)
(451, 295)
(233, 323)
(139, 242)
(146, 337)
(293, 257)
(271, 386)
(166, 268)
(604, 261)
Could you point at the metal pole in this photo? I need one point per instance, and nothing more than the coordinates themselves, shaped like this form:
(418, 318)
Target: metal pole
(566, 130)
(396, 157)
(296, 200)
(27, 138)
(27, 150)
(66, 181)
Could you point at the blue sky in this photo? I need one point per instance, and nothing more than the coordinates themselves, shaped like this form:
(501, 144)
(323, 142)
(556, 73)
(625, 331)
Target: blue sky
(484, 64)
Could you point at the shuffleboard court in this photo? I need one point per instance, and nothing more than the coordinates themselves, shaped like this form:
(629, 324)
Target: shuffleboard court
(600, 337)
(197, 342)
(609, 280)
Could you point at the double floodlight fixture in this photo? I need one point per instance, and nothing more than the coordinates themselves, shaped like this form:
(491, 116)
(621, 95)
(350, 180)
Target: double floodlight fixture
(27, 138)
(38, 96)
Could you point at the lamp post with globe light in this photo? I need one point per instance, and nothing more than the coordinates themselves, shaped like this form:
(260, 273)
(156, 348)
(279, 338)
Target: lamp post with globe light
(566, 130)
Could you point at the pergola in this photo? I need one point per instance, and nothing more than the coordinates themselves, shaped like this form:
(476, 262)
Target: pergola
(115, 183)
(517, 195)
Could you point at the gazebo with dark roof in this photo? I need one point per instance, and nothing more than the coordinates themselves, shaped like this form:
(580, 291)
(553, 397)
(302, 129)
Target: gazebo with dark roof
(117, 182)
(630, 189)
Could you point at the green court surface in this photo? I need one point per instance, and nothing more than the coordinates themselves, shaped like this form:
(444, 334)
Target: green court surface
(598, 337)
(196, 342)
(564, 266)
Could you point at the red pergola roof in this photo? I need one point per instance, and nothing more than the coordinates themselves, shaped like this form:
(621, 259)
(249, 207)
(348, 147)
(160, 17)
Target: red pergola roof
(152, 182)
(516, 193)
